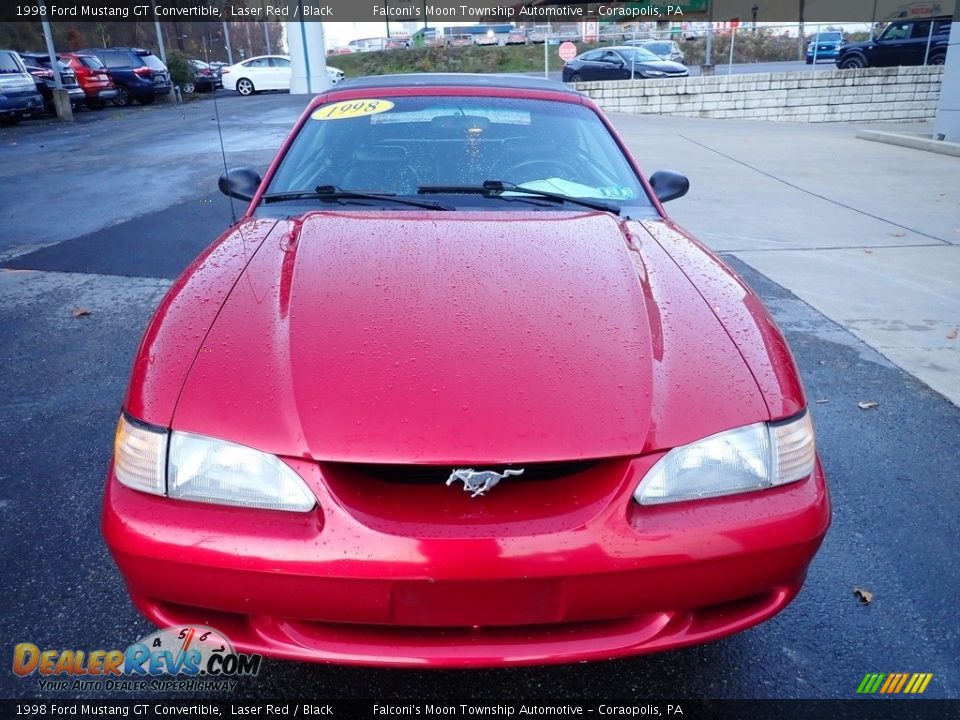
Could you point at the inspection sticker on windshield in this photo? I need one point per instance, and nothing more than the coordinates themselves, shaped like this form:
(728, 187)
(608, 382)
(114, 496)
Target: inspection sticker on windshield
(351, 109)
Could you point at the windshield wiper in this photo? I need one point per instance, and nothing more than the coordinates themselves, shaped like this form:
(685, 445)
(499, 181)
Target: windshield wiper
(332, 192)
(496, 188)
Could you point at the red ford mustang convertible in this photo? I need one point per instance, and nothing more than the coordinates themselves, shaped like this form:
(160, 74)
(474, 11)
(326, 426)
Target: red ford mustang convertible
(456, 392)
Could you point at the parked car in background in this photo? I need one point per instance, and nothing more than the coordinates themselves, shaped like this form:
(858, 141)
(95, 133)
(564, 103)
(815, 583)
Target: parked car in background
(517, 36)
(824, 46)
(472, 399)
(458, 40)
(368, 44)
(538, 33)
(93, 77)
(206, 78)
(663, 49)
(138, 74)
(342, 50)
(38, 65)
(431, 37)
(19, 96)
(335, 74)
(620, 63)
(902, 42)
(264, 72)
(610, 33)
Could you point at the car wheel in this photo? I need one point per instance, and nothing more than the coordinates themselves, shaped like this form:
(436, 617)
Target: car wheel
(244, 87)
(575, 78)
(854, 61)
(938, 59)
(189, 88)
(123, 98)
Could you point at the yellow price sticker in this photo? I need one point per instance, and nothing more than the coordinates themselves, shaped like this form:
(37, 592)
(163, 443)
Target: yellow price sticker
(351, 109)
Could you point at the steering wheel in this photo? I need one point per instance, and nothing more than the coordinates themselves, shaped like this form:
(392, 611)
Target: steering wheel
(554, 168)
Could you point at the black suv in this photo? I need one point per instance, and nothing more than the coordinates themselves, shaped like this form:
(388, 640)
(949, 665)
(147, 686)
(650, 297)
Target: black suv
(138, 74)
(902, 42)
(38, 65)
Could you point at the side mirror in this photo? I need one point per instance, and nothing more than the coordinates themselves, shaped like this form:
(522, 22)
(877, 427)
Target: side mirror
(669, 185)
(241, 183)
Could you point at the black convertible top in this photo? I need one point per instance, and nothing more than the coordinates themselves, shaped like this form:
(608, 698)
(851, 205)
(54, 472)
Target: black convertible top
(515, 82)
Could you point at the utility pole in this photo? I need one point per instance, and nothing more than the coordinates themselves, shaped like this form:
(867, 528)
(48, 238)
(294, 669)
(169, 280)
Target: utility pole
(801, 44)
(156, 25)
(226, 40)
(61, 98)
(266, 32)
(707, 68)
(246, 30)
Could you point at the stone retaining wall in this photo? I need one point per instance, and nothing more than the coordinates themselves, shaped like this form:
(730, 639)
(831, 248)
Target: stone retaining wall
(874, 94)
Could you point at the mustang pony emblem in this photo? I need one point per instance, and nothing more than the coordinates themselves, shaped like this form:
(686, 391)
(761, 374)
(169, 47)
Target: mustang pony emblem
(479, 482)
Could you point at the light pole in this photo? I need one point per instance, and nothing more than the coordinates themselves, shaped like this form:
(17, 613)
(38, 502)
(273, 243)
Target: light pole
(755, 9)
(707, 68)
(226, 40)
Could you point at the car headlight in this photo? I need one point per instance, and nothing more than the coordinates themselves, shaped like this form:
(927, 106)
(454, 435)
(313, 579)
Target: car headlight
(653, 73)
(205, 469)
(750, 458)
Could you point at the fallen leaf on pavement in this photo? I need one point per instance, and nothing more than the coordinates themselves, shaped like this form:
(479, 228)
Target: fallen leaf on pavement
(80, 312)
(864, 596)
(868, 252)
(899, 233)
(952, 335)
(867, 405)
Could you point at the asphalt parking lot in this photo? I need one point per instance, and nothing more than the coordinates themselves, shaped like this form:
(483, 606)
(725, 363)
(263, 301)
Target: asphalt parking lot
(101, 215)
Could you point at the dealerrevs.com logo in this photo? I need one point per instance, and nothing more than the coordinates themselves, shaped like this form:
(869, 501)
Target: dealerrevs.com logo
(188, 658)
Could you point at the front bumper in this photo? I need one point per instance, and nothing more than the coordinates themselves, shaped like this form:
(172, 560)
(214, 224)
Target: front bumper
(334, 585)
(823, 55)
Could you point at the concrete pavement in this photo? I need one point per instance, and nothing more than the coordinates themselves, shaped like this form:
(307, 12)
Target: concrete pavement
(868, 234)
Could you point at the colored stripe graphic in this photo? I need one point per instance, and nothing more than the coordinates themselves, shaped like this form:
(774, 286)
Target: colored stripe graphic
(870, 683)
(894, 683)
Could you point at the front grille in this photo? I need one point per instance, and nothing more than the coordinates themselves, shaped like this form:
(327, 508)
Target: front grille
(438, 474)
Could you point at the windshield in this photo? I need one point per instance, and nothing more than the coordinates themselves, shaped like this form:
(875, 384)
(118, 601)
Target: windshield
(638, 54)
(90, 61)
(9, 64)
(828, 37)
(404, 143)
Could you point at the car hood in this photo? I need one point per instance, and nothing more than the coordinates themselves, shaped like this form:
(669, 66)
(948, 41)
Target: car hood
(430, 337)
(667, 66)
